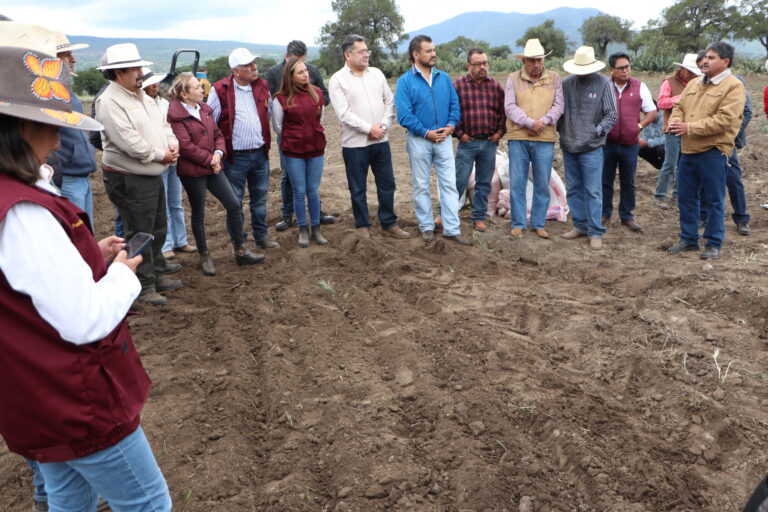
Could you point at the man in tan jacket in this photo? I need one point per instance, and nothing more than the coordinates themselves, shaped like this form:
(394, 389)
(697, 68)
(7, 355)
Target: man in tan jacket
(138, 146)
(707, 118)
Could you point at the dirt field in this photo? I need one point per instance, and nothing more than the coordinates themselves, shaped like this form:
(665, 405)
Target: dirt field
(517, 376)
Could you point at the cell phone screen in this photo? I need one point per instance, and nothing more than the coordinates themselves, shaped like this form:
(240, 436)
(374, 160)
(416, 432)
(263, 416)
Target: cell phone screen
(137, 244)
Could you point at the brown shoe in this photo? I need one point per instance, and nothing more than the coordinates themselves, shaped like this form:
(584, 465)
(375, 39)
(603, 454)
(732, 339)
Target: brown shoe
(169, 255)
(363, 232)
(438, 222)
(541, 233)
(428, 235)
(632, 225)
(267, 244)
(457, 238)
(595, 244)
(480, 226)
(605, 220)
(150, 296)
(396, 232)
(189, 249)
(164, 283)
(574, 233)
(516, 232)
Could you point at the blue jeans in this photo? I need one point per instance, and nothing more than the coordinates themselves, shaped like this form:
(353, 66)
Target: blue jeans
(176, 236)
(78, 190)
(668, 171)
(126, 475)
(538, 157)
(305, 175)
(702, 175)
(626, 158)
(37, 481)
(251, 167)
(735, 191)
(422, 154)
(481, 154)
(584, 180)
(356, 162)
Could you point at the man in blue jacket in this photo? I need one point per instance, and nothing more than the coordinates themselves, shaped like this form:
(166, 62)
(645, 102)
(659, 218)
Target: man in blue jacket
(74, 163)
(428, 107)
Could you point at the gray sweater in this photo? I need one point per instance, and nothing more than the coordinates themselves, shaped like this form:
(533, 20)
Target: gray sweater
(590, 112)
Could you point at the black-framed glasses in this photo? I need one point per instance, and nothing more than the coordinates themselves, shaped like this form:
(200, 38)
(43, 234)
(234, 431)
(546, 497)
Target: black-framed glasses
(479, 64)
(622, 68)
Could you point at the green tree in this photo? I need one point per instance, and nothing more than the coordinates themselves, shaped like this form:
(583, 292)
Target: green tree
(217, 68)
(602, 29)
(378, 21)
(460, 46)
(651, 41)
(751, 22)
(500, 52)
(551, 38)
(690, 25)
(88, 82)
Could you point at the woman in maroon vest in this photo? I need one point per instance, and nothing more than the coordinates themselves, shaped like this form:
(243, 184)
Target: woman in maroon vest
(201, 150)
(296, 116)
(74, 384)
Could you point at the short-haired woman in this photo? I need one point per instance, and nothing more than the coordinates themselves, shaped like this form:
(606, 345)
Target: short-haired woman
(201, 148)
(296, 115)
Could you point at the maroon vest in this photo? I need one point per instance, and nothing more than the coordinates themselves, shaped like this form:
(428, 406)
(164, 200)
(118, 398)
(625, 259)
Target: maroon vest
(676, 86)
(62, 401)
(628, 107)
(302, 135)
(226, 94)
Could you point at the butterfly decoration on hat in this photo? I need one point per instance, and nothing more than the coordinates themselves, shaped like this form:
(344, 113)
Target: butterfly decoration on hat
(47, 84)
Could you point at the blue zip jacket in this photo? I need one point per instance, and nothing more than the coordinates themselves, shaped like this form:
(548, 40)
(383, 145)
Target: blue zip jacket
(421, 108)
(76, 157)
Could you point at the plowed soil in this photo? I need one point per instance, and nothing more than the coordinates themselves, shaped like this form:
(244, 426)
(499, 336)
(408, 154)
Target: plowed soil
(526, 375)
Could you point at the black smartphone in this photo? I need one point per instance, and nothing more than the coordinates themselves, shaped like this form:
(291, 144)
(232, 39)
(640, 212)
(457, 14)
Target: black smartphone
(137, 243)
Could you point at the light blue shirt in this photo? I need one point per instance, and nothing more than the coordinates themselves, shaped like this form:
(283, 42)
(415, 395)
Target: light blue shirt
(246, 129)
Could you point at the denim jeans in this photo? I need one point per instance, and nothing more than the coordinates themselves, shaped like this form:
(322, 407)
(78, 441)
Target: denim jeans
(736, 192)
(668, 172)
(251, 167)
(38, 482)
(538, 157)
(126, 475)
(305, 175)
(422, 154)
(379, 158)
(702, 175)
(584, 181)
(626, 158)
(481, 154)
(78, 190)
(222, 190)
(176, 235)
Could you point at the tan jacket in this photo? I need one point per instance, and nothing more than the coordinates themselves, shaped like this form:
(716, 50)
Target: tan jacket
(136, 133)
(713, 112)
(534, 99)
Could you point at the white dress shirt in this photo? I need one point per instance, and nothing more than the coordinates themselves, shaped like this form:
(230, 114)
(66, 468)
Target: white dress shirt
(246, 127)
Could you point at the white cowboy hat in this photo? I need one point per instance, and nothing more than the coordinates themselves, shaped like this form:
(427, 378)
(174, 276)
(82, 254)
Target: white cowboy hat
(689, 63)
(123, 55)
(583, 62)
(151, 78)
(532, 50)
(241, 57)
(63, 44)
(31, 37)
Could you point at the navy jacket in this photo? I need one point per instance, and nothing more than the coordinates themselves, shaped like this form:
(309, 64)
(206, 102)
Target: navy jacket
(421, 108)
(76, 156)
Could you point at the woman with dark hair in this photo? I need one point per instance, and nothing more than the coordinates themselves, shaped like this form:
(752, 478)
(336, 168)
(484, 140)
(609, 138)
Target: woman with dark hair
(201, 149)
(65, 349)
(296, 115)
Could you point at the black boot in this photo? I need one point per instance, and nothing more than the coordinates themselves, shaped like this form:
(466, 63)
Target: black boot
(243, 256)
(207, 263)
(317, 236)
(284, 224)
(303, 236)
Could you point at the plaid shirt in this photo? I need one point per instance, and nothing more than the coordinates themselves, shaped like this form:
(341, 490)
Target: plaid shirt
(482, 107)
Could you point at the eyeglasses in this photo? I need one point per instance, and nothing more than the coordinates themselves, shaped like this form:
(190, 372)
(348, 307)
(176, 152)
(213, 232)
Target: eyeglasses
(362, 52)
(479, 64)
(622, 68)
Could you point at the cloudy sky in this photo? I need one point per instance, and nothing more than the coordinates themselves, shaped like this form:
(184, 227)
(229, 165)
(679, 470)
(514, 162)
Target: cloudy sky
(262, 21)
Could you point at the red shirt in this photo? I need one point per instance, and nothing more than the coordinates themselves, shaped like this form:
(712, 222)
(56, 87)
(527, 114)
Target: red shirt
(482, 107)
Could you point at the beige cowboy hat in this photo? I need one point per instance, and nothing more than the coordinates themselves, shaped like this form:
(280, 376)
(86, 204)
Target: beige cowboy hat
(32, 82)
(532, 50)
(123, 55)
(151, 78)
(689, 63)
(583, 62)
(63, 44)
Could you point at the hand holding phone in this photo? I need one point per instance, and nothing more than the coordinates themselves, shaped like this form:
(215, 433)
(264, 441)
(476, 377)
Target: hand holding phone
(137, 243)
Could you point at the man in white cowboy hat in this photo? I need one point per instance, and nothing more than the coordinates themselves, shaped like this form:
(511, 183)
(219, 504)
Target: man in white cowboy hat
(633, 103)
(76, 160)
(707, 118)
(589, 114)
(242, 109)
(533, 104)
(669, 94)
(138, 146)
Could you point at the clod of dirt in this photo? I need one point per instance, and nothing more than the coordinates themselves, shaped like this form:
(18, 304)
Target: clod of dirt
(707, 267)
(404, 377)
(526, 504)
(376, 491)
(344, 492)
(477, 427)
(718, 394)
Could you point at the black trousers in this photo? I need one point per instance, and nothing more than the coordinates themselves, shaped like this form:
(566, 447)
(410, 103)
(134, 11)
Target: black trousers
(222, 190)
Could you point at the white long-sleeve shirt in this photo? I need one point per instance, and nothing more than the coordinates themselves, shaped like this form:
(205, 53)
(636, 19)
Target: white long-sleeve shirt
(38, 259)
